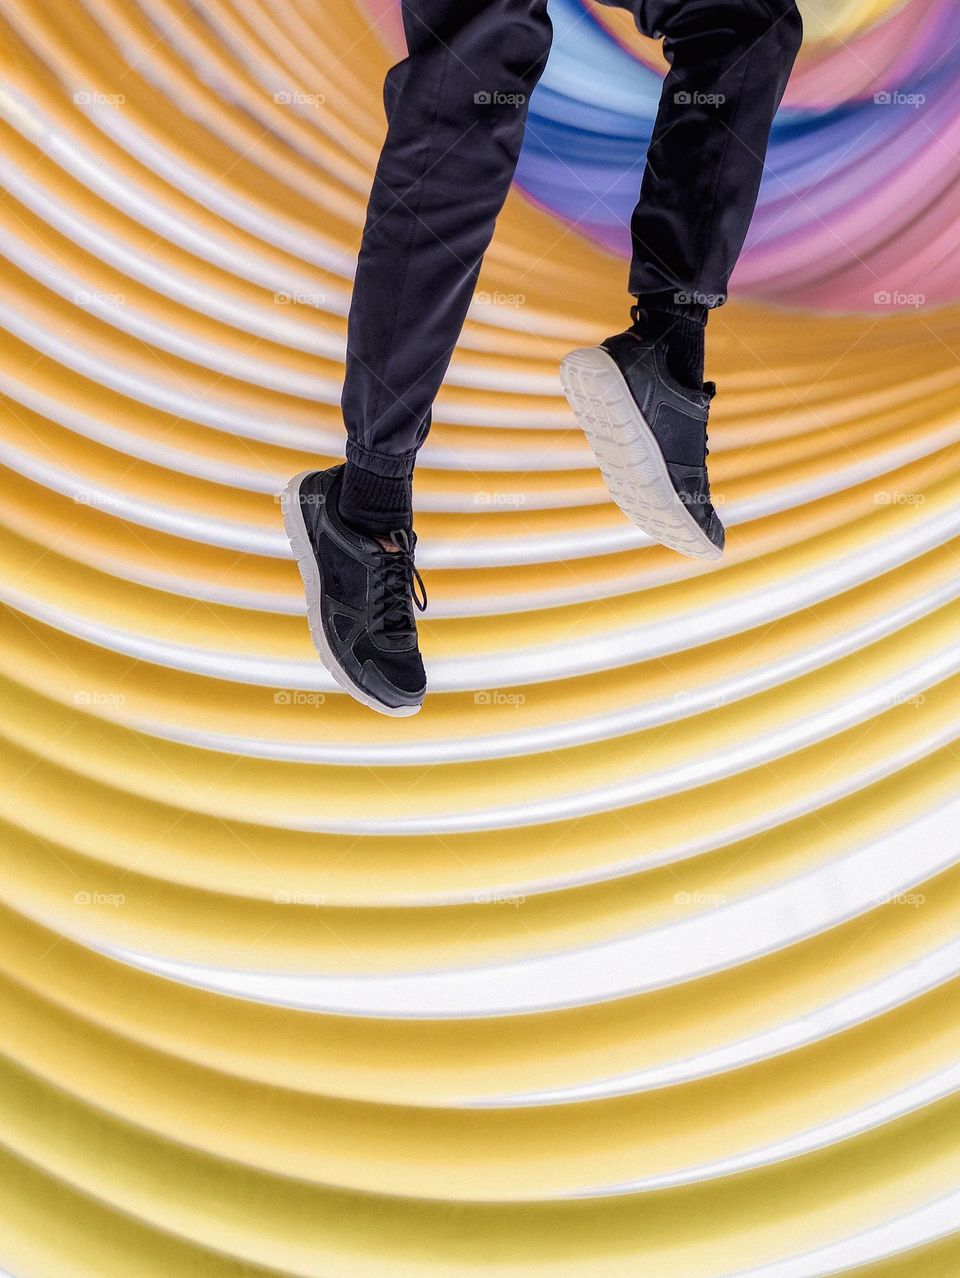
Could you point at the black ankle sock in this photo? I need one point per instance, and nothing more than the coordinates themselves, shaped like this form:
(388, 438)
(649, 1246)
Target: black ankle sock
(376, 505)
(683, 342)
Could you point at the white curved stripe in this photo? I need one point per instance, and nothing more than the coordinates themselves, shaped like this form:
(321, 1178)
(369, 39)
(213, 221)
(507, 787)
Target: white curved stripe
(227, 534)
(927, 1092)
(893, 1238)
(275, 276)
(703, 770)
(787, 738)
(295, 238)
(245, 537)
(164, 397)
(257, 109)
(269, 322)
(131, 444)
(230, 474)
(157, 395)
(528, 319)
(179, 523)
(720, 619)
(260, 321)
(740, 932)
(93, 172)
(877, 999)
(578, 544)
(475, 553)
(569, 732)
(507, 669)
(267, 77)
(722, 835)
(483, 552)
(785, 496)
(754, 752)
(247, 365)
(313, 438)
(154, 450)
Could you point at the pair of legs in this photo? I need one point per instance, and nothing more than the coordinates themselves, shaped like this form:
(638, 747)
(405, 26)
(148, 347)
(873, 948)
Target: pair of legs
(457, 109)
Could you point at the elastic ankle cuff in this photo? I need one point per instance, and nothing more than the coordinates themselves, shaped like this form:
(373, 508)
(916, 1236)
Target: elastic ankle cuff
(375, 503)
(673, 304)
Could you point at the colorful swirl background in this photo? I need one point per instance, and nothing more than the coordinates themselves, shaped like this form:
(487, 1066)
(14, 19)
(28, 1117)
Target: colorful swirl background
(636, 953)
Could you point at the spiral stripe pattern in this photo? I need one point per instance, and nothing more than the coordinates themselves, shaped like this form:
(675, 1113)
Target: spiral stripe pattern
(634, 953)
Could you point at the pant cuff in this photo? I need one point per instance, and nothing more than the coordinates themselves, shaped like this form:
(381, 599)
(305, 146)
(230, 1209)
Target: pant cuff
(390, 465)
(693, 306)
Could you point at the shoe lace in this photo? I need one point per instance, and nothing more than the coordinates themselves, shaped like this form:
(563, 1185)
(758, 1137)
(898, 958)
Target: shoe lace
(400, 582)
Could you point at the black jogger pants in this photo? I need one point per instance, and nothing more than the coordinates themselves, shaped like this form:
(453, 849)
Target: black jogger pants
(457, 108)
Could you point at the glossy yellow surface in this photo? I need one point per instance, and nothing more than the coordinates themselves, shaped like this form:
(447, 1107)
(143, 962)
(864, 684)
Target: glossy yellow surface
(664, 879)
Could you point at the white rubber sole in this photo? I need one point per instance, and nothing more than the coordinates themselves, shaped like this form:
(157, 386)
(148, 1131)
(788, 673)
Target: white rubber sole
(628, 454)
(312, 588)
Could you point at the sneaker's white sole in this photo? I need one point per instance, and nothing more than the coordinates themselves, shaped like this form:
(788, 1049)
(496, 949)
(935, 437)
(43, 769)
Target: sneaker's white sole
(312, 588)
(628, 454)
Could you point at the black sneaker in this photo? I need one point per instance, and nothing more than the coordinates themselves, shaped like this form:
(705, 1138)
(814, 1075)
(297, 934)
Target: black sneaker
(649, 435)
(358, 597)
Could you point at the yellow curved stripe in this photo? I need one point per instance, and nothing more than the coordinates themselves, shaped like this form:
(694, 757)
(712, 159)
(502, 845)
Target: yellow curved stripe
(635, 952)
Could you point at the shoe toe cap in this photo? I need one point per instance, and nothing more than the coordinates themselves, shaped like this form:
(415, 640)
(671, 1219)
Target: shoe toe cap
(715, 530)
(400, 686)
